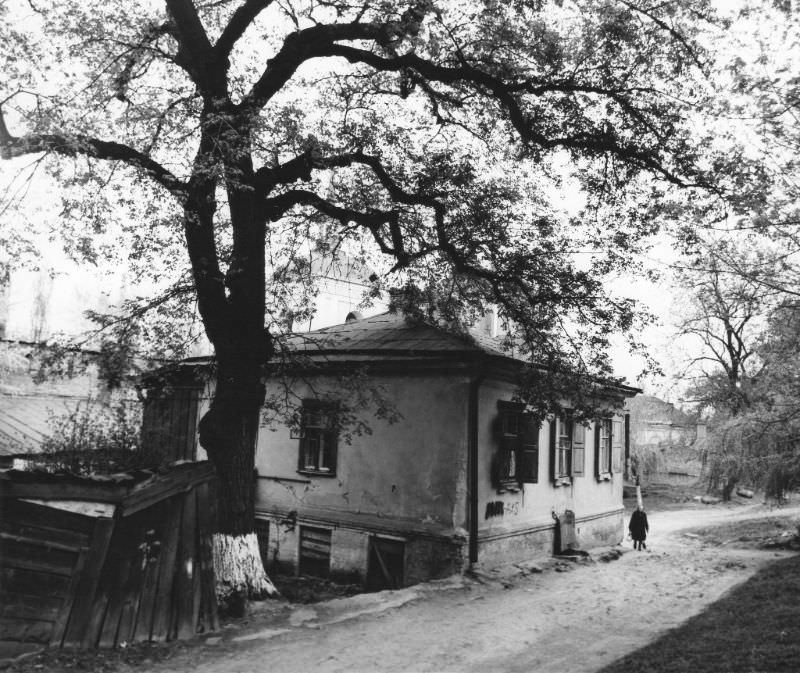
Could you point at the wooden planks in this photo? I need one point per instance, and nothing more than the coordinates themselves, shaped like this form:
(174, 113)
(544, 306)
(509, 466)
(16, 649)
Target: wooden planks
(40, 548)
(80, 581)
(86, 587)
(315, 551)
(170, 421)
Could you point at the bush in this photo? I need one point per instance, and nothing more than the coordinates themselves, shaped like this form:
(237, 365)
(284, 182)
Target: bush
(98, 438)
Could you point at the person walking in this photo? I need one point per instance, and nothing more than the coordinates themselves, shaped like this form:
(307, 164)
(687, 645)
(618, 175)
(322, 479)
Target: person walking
(638, 528)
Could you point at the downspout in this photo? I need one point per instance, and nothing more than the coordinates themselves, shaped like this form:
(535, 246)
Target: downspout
(627, 446)
(472, 464)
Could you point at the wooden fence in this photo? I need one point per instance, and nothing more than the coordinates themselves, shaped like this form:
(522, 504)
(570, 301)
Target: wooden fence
(101, 562)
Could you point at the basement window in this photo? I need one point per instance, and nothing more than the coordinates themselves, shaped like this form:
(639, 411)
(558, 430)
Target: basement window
(315, 551)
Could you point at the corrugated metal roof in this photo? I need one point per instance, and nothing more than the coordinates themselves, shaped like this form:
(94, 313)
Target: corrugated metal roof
(24, 420)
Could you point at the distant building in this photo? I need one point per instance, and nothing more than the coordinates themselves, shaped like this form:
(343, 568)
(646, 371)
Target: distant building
(27, 407)
(670, 440)
(34, 307)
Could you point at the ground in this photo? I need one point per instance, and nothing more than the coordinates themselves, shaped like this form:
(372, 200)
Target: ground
(554, 616)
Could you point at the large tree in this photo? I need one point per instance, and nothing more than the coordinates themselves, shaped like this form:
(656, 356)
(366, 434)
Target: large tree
(512, 153)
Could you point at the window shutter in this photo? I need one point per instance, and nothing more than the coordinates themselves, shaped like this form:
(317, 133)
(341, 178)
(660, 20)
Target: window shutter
(578, 449)
(528, 451)
(333, 449)
(616, 445)
(597, 467)
(553, 440)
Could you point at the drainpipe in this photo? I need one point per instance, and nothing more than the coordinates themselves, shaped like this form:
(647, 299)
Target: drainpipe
(472, 464)
(627, 446)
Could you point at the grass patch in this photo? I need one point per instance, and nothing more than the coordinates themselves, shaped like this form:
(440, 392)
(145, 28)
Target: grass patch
(749, 533)
(753, 629)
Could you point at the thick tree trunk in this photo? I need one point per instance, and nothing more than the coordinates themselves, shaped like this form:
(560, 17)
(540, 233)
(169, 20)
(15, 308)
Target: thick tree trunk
(232, 306)
(228, 432)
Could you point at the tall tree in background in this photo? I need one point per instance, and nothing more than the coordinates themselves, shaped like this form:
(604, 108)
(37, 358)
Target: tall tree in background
(744, 291)
(446, 135)
(727, 316)
(726, 309)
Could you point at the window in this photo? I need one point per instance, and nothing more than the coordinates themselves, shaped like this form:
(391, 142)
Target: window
(318, 438)
(315, 551)
(385, 564)
(567, 449)
(603, 448)
(517, 459)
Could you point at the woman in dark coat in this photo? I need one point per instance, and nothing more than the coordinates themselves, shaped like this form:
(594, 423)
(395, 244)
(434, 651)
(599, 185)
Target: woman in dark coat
(638, 528)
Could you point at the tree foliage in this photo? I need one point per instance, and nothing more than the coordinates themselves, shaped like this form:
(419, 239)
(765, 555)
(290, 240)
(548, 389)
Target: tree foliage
(760, 445)
(477, 152)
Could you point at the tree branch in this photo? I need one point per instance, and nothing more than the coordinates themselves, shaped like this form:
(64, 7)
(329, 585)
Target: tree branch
(71, 145)
(316, 41)
(373, 220)
(241, 20)
(195, 53)
(601, 142)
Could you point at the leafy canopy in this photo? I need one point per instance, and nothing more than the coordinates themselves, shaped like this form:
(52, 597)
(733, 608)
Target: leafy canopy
(472, 152)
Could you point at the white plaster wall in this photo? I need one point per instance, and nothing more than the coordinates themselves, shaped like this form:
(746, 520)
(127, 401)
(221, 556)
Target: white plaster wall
(535, 503)
(412, 471)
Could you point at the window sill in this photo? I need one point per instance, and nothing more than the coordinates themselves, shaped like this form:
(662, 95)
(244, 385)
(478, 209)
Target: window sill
(605, 476)
(508, 487)
(562, 481)
(317, 473)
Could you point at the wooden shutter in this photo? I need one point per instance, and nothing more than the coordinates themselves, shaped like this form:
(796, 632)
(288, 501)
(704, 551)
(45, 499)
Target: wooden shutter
(597, 467)
(578, 449)
(616, 444)
(528, 452)
(553, 441)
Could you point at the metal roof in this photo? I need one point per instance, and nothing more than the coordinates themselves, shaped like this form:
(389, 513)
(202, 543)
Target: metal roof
(391, 337)
(24, 420)
(392, 332)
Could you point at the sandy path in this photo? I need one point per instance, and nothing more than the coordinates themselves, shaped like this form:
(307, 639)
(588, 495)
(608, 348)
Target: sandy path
(577, 621)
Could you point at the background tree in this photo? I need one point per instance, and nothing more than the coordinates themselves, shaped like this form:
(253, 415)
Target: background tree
(760, 445)
(743, 291)
(445, 137)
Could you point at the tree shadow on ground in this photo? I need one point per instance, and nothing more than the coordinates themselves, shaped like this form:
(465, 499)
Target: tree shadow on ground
(753, 629)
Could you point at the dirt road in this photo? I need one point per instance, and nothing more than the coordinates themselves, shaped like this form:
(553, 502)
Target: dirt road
(569, 618)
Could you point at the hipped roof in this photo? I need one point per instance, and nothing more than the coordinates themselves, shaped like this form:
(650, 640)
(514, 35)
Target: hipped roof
(394, 337)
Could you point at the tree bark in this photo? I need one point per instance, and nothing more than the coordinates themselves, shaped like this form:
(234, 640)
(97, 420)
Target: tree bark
(229, 432)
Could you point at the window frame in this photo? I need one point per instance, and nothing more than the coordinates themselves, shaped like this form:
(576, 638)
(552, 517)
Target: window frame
(324, 432)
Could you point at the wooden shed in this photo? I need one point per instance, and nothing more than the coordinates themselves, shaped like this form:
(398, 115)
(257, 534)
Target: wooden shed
(104, 561)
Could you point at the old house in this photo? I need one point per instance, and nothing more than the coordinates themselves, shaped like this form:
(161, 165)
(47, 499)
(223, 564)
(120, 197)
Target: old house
(464, 475)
